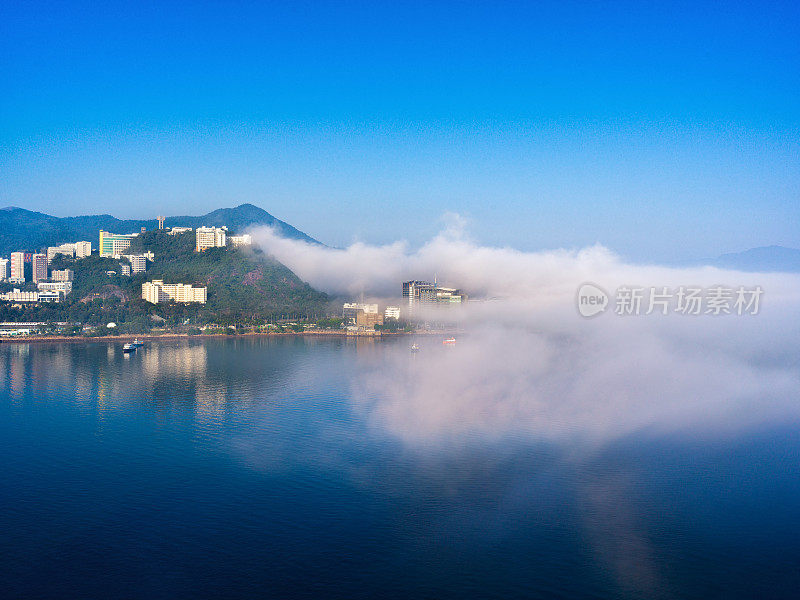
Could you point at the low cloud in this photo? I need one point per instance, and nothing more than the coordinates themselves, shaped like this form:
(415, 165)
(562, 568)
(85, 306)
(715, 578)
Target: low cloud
(529, 364)
(451, 257)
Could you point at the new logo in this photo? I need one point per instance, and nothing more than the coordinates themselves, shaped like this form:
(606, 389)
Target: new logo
(592, 300)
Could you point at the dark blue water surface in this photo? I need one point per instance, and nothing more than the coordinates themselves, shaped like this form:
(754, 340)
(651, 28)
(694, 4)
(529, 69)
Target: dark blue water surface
(246, 468)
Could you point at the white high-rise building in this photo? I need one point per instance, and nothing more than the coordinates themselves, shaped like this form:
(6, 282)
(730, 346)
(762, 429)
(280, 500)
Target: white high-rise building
(138, 262)
(210, 237)
(83, 249)
(392, 312)
(3, 269)
(18, 267)
(76, 250)
(157, 291)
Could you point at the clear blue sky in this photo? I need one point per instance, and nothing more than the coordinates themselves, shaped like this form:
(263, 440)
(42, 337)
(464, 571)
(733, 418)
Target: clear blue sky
(665, 131)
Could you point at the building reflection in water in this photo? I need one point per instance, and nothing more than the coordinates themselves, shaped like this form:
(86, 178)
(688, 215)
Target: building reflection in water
(182, 370)
(365, 345)
(182, 361)
(207, 381)
(16, 356)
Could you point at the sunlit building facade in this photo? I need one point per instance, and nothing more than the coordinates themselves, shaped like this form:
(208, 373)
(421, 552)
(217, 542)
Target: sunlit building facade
(210, 237)
(114, 244)
(157, 291)
(83, 249)
(18, 267)
(361, 316)
(72, 250)
(20, 296)
(138, 262)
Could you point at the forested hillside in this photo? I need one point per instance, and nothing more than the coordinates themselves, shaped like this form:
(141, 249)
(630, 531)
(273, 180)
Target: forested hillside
(245, 286)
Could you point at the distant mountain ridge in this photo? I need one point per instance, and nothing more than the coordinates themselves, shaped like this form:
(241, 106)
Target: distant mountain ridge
(764, 259)
(22, 229)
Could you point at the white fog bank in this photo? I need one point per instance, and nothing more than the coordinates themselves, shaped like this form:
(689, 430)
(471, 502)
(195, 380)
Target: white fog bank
(529, 364)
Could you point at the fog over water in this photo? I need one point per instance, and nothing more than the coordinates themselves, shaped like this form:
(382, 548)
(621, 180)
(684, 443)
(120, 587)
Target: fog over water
(527, 363)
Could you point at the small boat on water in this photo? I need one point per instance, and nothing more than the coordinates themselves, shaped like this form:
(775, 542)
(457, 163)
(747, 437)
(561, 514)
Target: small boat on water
(449, 341)
(137, 343)
(128, 348)
(414, 348)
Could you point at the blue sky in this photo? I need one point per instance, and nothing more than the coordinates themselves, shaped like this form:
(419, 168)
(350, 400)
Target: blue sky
(664, 131)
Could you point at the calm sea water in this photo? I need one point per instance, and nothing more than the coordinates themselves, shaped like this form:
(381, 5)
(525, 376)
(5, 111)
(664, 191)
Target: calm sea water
(252, 468)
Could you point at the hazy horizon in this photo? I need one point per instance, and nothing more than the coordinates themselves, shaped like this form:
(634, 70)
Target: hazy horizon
(445, 220)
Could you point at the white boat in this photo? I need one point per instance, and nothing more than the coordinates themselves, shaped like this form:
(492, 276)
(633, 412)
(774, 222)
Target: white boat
(449, 341)
(127, 348)
(137, 343)
(414, 348)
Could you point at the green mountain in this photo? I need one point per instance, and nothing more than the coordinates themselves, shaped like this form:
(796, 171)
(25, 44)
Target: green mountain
(245, 286)
(22, 229)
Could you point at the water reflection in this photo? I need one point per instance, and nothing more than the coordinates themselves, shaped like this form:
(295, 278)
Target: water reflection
(590, 389)
(180, 360)
(616, 530)
(208, 378)
(539, 388)
(262, 443)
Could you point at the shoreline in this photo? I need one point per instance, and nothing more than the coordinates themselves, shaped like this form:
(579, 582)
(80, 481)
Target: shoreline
(184, 336)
